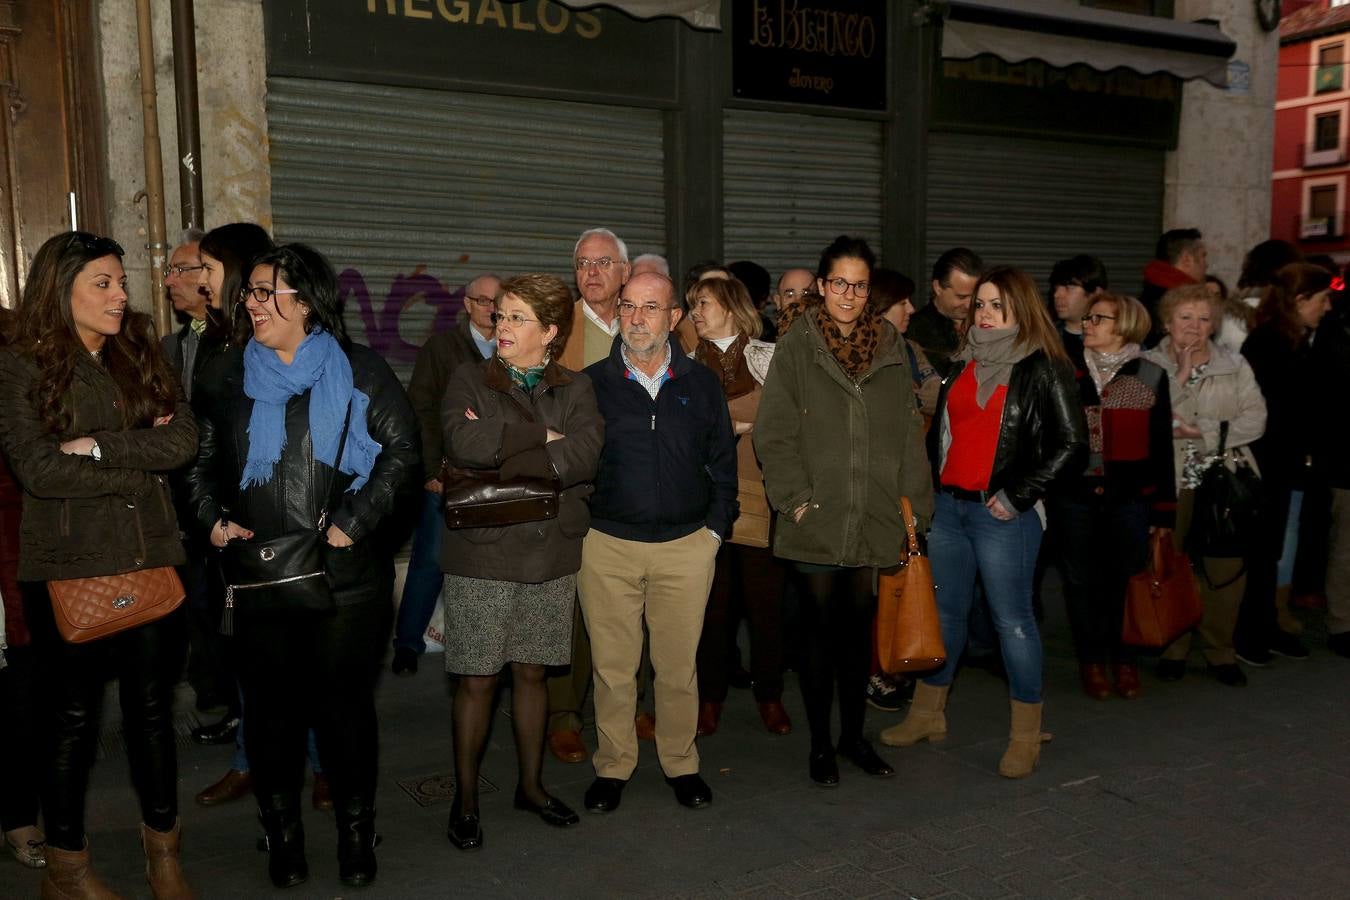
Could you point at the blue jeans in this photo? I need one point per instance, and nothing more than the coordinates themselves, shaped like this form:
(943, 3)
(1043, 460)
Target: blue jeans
(967, 540)
(422, 587)
(1284, 576)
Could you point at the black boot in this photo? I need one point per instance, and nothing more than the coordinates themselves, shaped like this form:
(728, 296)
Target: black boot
(286, 864)
(356, 843)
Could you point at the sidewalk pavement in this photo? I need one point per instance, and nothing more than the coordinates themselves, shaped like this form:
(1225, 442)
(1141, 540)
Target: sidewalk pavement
(1194, 790)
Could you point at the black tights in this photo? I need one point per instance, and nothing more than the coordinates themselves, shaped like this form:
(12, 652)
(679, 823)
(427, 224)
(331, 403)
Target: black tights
(473, 714)
(835, 617)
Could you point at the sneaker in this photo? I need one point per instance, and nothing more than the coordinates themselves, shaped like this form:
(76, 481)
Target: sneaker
(1256, 658)
(1229, 674)
(1339, 643)
(1286, 645)
(884, 694)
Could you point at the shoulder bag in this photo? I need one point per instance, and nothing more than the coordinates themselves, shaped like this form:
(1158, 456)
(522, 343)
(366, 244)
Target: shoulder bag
(287, 572)
(87, 609)
(480, 498)
(909, 635)
(1225, 512)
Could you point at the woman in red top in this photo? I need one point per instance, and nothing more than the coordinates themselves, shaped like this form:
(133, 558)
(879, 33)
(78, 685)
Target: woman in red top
(1006, 428)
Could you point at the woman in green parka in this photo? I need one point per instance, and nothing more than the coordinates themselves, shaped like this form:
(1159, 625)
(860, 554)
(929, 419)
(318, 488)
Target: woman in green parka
(841, 441)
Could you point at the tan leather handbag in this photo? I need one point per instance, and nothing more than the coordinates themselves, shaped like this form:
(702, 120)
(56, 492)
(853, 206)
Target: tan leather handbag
(87, 609)
(1163, 601)
(909, 634)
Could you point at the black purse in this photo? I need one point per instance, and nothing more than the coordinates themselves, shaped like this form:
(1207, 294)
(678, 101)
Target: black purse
(1224, 518)
(481, 498)
(285, 573)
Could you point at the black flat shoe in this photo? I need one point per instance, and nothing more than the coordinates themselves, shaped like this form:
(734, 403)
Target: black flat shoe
(604, 794)
(691, 791)
(405, 661)
(221, 732)
(465, 831)
(1230, 674)
(1171, 669)
(554, 812)
(861, 754)
(823, 768)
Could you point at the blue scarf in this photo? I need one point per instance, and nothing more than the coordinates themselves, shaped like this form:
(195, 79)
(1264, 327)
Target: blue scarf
(321, 365)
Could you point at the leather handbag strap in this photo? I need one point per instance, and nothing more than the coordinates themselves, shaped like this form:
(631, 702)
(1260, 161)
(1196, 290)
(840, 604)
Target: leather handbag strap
(911, 538)
(332, 499)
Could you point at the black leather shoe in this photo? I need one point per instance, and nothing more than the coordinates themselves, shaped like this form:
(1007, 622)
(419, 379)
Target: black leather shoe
(861, 754)
(1171, 669)
(691, 791)
(405, 661)
(604, 794)
(1230, 674)
(222, 732)
(465, 831)
(554, 812)
(823, 768)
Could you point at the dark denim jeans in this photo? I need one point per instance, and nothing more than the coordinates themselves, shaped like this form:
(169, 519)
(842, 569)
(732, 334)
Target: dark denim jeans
(966, 541)
(422, 587)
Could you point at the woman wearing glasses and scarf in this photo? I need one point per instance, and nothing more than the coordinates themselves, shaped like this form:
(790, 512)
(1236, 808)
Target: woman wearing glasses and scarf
(273, 414)
(92, 422)
(509, 591)
(840, 440)
(1102, 515)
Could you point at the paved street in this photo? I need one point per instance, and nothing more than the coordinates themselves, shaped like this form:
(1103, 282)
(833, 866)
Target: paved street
(1195, 790)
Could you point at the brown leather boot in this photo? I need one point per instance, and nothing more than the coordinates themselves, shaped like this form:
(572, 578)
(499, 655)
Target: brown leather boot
(70, 877)
(1095, 684)
(1024, 741)
(925, 720)
(161, 863)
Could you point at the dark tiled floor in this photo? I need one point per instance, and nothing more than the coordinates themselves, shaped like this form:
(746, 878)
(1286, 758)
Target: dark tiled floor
(1195, 790)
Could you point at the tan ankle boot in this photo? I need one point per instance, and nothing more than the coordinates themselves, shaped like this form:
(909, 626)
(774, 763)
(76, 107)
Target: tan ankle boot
(1024, 741)
(69, 877)
(925, 720)
(161, 863)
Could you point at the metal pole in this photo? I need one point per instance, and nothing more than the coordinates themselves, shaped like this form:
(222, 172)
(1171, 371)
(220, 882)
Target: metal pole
(154, 168)
(189, 124)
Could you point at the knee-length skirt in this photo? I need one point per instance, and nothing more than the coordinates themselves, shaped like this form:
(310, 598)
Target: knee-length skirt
(491, 623)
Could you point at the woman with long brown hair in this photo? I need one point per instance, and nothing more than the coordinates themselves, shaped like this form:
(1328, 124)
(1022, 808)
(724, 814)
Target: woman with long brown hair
(92, 422)
(1008, 425)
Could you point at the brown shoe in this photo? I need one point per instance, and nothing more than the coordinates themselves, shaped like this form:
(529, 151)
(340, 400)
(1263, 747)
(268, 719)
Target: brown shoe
(1095, 683)
(775, 718)
(709, 717)
(322, 797)
(645, 723)
(234, 786)
(567, 746)
(162, 870)
(1127, 680)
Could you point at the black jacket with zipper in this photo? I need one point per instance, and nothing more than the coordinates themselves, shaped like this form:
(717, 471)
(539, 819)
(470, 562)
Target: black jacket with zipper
(668, 466)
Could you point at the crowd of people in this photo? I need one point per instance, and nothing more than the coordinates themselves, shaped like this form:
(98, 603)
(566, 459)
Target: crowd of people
(720, 451)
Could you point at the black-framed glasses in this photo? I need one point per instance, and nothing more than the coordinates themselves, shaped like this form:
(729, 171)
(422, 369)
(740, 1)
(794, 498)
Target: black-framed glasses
(1097, 319)
(262, 294)
(602, 263)
(842, 286)
(627, 308)
(514, 319)
(94, 244)
(180, 271)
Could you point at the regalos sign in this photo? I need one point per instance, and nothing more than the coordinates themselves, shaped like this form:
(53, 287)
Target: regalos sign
(824, 52)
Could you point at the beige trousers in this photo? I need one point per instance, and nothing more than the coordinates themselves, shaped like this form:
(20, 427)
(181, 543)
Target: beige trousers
(622, 584)
(1220, 604)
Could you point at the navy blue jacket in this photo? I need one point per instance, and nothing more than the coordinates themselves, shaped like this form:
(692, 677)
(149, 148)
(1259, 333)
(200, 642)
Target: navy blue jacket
(668, 467)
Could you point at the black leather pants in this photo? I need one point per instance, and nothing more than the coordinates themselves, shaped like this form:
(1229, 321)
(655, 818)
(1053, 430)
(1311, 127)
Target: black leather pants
(147, 661)
(20, 751)
(304, 669)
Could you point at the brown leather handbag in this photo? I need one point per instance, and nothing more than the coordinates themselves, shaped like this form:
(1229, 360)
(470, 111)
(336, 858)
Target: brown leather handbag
(909, 634)
(1163, 601)
(87, 609)
(480, 498)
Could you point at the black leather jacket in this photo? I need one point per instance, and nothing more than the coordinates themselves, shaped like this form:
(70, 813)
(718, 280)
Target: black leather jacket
(1043, 435)
(298, 492)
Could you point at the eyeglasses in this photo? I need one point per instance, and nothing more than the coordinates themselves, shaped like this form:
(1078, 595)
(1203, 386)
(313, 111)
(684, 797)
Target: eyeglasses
(792, 295)
(480, 301)
(180, 271)
(95, 244)
(262, 294)
(842, 285)
(603, 263)
(1097, 319)
(515, 319)
(647, 310)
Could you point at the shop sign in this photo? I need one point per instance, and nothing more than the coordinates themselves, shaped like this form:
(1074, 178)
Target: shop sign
(821, 52)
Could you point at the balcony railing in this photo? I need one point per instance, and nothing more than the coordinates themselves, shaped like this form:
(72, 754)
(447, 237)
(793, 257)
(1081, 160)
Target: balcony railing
(1314, 157)
(1329, 78)
(1318, 228)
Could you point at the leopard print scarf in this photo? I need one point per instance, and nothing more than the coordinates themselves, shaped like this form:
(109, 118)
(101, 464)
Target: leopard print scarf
(853, 352)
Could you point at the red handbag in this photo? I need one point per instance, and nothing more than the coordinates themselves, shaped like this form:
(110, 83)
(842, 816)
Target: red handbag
(1162, 602)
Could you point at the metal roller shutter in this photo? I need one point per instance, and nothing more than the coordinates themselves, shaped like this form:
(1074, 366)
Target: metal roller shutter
(411, 192)
(791, 183)
(1030, 203)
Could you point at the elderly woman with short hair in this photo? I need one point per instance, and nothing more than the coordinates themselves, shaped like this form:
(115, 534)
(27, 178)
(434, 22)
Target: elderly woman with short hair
(1102, 515)
(509, 591)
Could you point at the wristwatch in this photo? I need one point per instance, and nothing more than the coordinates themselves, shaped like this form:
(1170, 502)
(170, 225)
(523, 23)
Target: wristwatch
(96, 452)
